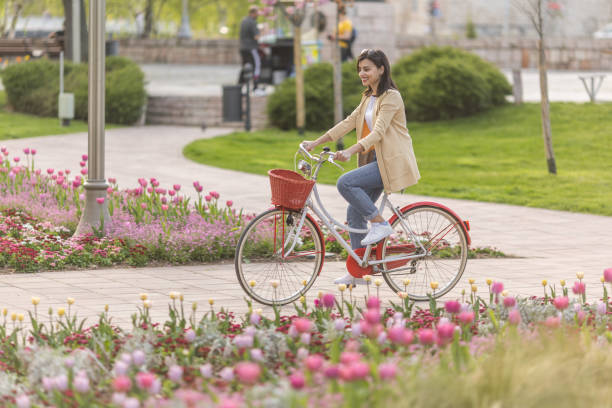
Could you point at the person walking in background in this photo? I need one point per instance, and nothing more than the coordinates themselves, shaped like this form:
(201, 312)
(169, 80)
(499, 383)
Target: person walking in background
(346, 35)
(249, 34)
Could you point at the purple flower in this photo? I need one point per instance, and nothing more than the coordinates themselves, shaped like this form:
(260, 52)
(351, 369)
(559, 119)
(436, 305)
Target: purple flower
(190, 336)
(175, 373)
(329, 300)
(138, 357)
(81, 384)
(339, 324)
(257, 355)
(206, 370)
(243, 341)
(22, 401)
(227, 373)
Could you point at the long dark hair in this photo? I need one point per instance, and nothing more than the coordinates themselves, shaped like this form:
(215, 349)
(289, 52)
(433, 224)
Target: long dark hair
(380, 60)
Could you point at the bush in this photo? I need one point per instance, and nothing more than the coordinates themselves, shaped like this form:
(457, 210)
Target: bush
(319, 95)
(409, 71)
(33, 87)
(449, 88)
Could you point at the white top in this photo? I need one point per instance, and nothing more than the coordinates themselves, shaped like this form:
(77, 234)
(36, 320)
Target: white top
(370, 112)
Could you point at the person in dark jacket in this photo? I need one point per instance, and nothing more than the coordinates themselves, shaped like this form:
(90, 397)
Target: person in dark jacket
(249, 34)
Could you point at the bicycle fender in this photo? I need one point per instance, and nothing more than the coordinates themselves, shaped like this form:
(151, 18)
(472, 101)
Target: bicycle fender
(464, 224)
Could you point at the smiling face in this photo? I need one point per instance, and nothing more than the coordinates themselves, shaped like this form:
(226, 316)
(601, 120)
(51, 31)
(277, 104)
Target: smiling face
(370, 74)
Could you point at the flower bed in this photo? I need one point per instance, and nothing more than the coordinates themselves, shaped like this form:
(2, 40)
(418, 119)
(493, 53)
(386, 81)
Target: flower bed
(336, 352)
(39, 212)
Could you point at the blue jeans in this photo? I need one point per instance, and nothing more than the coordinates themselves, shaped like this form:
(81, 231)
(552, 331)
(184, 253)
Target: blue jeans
(361, 188)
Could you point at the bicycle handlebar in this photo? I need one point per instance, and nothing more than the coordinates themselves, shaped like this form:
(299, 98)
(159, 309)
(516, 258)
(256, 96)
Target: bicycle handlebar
(328, 153)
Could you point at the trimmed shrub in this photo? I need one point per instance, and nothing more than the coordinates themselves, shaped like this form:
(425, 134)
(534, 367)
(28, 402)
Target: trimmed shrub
(33, 87)
(448, 88)
(319, 95)
(406, 73)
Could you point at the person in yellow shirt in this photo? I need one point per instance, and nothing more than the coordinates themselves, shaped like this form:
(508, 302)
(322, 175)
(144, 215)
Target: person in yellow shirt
(345, 35)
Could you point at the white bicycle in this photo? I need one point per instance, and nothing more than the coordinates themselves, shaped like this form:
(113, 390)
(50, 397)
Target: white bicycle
(281, 251)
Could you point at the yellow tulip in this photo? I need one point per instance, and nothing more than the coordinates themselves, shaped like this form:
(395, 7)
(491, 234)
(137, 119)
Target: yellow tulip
(13, 316)
(302, 299)
(143, 296)
(378, 282)
(474, 288)
(181, 297)
(61, 311)
(406, 282)
(4, 312)
(252, 283)
(20, 317)
(304, 282)
(173, 295)
(580, 275)
(106, 308)
(489, 282)
(602, 279)
(70, 301)
(562, 282)
(194, 306)
(342, 287)
(147, 304)
(471, 281)
(35, 300)
(402, 295)
(367, 278)
(504, 293)
(211, 301)
(274, 283)
(544, 282)
(434, 285)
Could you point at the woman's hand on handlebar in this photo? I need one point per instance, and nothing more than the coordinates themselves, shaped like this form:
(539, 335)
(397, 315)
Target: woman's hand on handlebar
(309, 145)
(342, 155)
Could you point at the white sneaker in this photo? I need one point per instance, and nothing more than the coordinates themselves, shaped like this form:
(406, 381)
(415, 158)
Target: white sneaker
(349, 279)
(378, 231)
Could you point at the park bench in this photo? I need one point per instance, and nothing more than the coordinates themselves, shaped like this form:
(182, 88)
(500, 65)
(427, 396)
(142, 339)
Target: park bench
(20, 47)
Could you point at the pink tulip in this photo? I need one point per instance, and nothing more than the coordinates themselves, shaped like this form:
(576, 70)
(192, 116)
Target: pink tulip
(373, 303)
(466, 317)
(175, 373)
(452, 306)
(608, 275)
(509, 302)
(82, 164)
(426, 336)
(331, 371)
(100, 200)
(145, 380)
(26, 151)
(33, 152)
(176, 187)
(357, 371)
(329, 300)
(164, 207)
(16, 159)
(247, 372)
(561, 303)
(171, 193)
(579, 288)
(229, 203)
(84, 171)
(50, 171)
(372, 316)
(208, 198)
(387, 371)
(349, 357)
(297, 380)
(112, 180)
(122, 383)
(514, 316)
(214, 194)
(199, 189)
(302, 325)
(314, 362)
(552, 322)
(446, 331)
(497, 288)
(84, 157)
(396, 334)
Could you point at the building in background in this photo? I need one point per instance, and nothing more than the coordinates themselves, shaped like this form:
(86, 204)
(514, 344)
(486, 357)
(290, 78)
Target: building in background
(497, 18)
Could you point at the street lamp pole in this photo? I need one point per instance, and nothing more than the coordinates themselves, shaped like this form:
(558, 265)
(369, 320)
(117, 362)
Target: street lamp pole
(95, 186)
(185, 29)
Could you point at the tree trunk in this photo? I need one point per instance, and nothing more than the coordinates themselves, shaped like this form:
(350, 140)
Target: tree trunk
(299, 79)
(148, 28)
(18, 8)
(4, 19)
(337, 64)
(545, 105)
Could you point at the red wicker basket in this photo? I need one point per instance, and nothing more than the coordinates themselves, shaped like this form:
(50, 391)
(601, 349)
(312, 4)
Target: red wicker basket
(289, 189)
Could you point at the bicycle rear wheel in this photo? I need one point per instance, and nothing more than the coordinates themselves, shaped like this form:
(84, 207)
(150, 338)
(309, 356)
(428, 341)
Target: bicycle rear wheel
(441, 234)
(275, 263)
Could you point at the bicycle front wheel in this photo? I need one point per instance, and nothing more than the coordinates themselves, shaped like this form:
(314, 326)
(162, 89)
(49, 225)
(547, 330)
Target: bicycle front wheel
(434, 232)
(277, 260)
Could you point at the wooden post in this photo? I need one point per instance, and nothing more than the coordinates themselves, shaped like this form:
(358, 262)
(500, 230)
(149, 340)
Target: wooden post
(337, 65)
(299, 79)
(517, 86)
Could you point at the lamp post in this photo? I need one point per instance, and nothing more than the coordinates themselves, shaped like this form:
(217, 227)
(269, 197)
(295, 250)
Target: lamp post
(185, 29)
(95, 186)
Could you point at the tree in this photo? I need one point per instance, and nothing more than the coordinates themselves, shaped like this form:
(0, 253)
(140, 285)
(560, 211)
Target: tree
(536, 11)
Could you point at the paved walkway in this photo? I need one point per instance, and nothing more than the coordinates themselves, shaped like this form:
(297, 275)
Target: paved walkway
(549, 244)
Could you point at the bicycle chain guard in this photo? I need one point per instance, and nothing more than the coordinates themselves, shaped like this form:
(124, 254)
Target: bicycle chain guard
(355, 269)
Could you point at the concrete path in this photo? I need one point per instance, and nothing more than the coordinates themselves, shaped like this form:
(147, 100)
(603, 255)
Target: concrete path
(202, 80)
(549, 244)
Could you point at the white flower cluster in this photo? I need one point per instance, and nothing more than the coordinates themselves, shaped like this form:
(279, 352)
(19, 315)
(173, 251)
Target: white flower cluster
(9, 385)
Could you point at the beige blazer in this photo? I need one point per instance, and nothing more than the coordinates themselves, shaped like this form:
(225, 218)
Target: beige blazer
(394, 153)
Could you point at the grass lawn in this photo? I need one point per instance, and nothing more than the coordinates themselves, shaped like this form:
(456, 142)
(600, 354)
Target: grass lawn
(497, 156)
(18, 125)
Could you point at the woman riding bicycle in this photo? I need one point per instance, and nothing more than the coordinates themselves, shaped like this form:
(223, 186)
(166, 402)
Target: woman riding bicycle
(386, 158)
